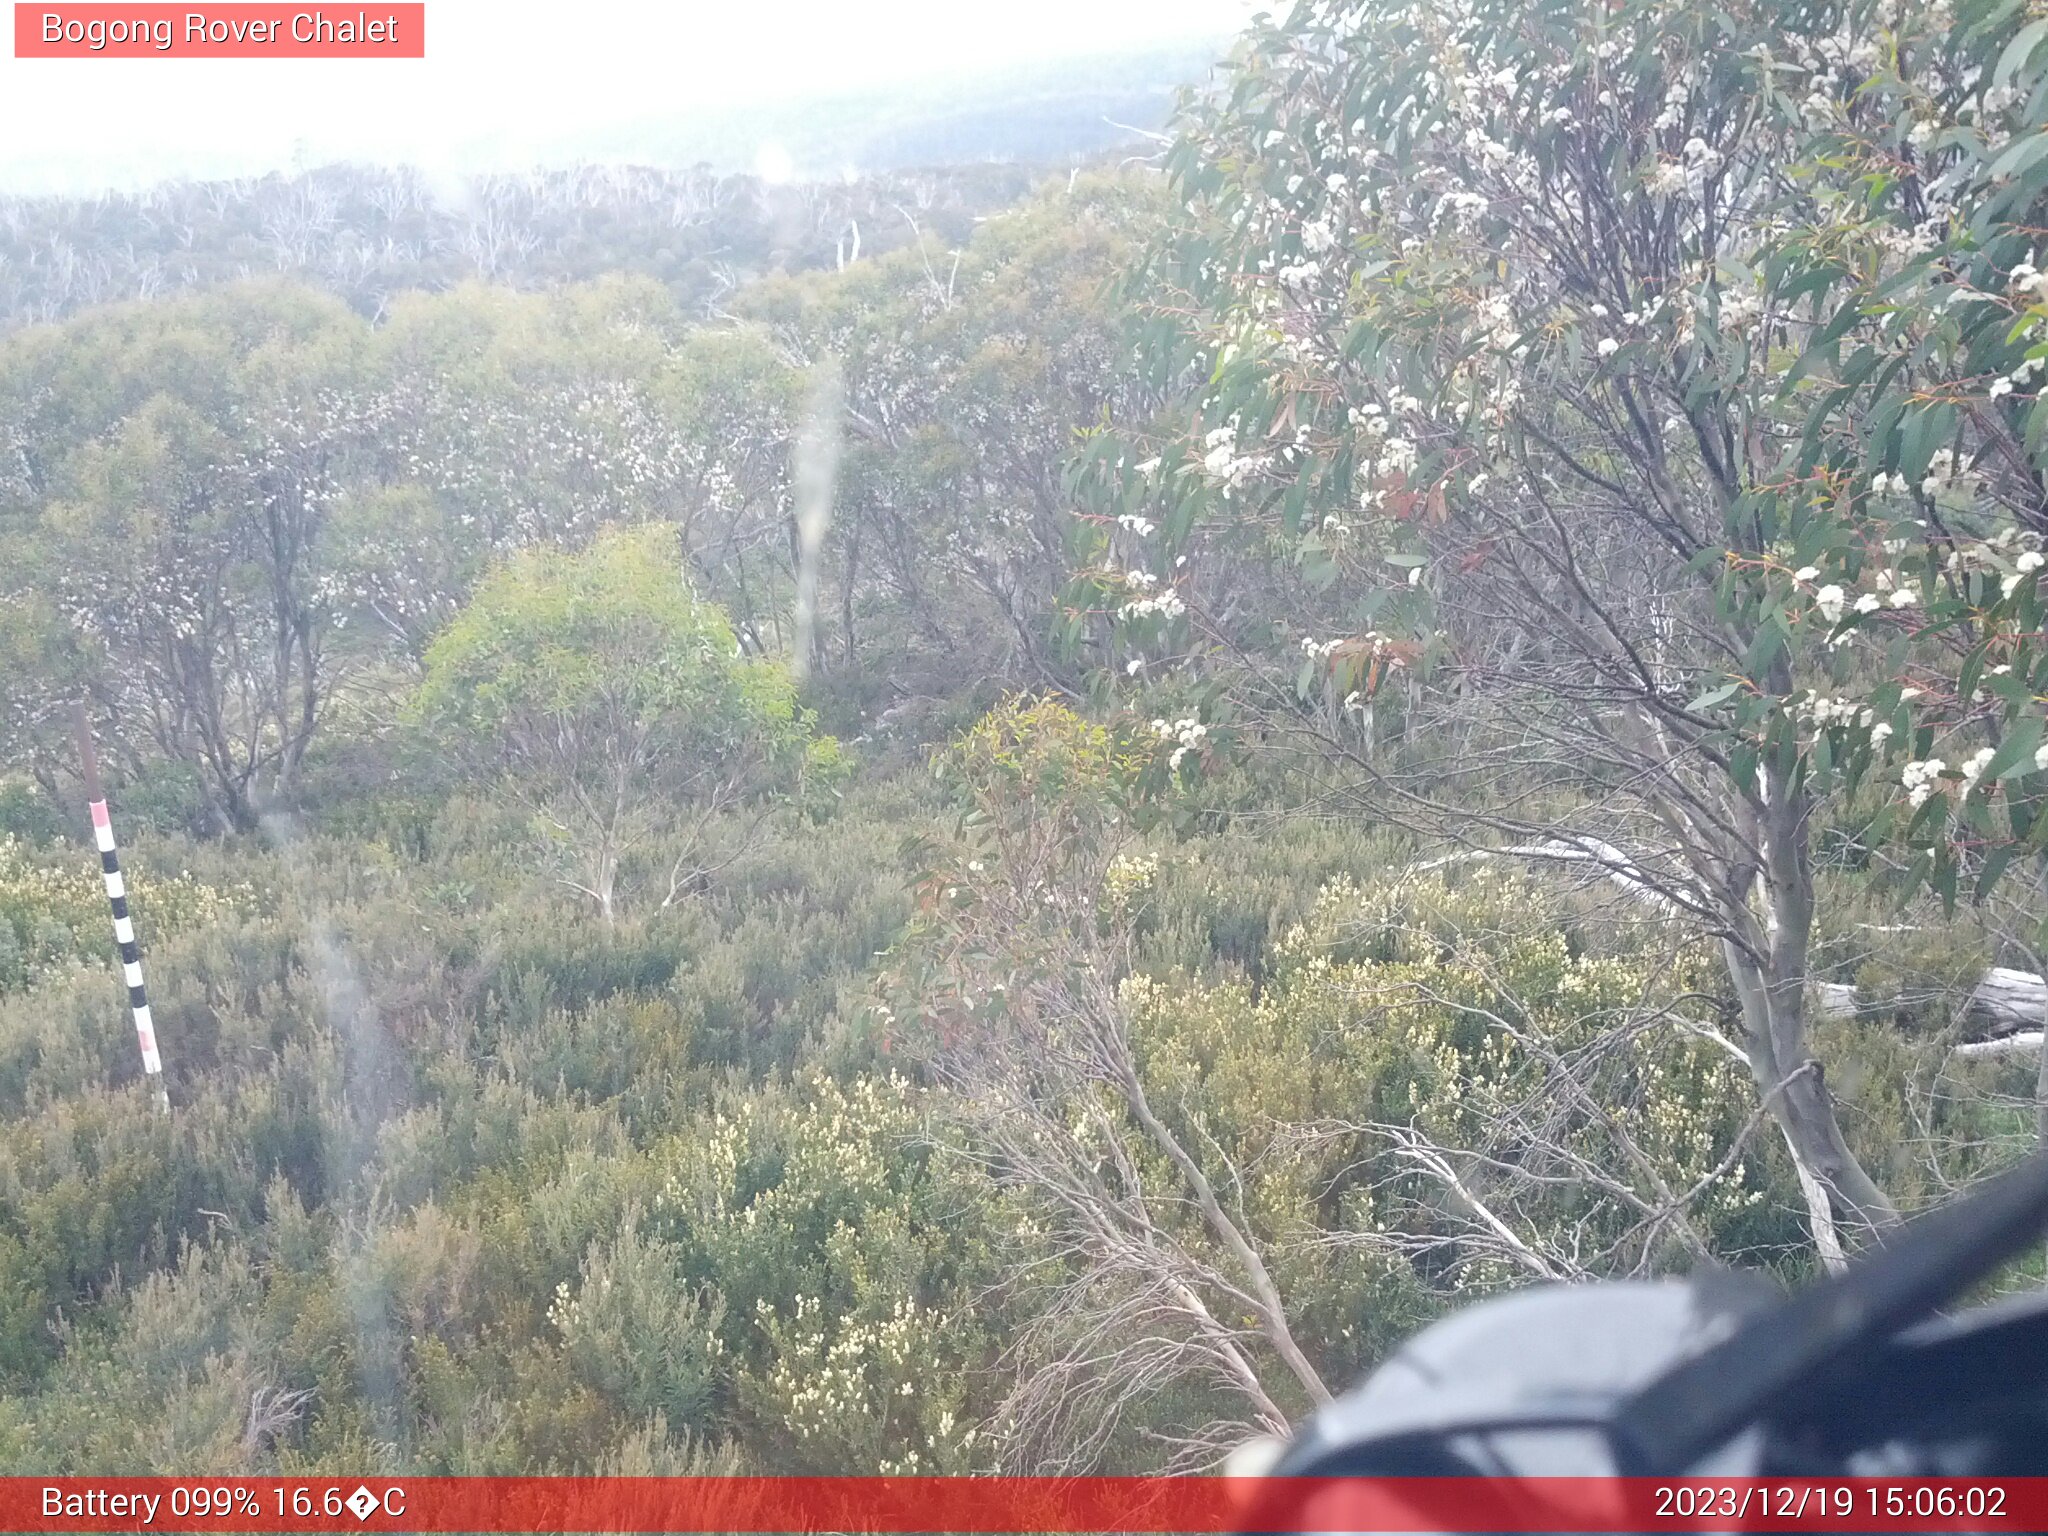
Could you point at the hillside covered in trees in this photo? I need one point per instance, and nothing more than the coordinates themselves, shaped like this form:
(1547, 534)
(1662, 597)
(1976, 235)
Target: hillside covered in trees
(677, 198)
(1020, 839)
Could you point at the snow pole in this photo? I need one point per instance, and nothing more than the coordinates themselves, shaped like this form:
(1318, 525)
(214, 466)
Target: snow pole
(117, 897)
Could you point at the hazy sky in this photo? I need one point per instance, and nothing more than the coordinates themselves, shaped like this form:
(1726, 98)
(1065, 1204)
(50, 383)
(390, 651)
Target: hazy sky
(506, 81)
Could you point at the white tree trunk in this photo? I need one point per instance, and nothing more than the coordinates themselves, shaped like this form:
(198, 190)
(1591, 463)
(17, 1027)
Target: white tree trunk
(2022, 1044)
(2004, 1002)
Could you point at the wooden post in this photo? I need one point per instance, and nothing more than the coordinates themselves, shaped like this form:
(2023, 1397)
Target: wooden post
(117, 897)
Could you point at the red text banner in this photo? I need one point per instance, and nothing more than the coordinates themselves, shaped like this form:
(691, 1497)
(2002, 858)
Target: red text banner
(385, 1503)
(223, 31)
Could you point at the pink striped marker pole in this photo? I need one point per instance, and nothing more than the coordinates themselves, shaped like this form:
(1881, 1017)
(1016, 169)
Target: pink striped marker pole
(117, 896)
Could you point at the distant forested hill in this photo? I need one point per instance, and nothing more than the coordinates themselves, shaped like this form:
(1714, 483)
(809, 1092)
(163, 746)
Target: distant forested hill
(674, 199)
(1040, 113)
(366, 234)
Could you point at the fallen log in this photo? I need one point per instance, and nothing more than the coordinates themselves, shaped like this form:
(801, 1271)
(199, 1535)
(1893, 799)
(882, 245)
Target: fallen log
(1619, 868)
(2012, 999)
(2005, 1001)
(2026, 1043)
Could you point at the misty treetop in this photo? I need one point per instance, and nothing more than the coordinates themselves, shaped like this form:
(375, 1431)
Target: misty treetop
(371, 234)
(615, 697)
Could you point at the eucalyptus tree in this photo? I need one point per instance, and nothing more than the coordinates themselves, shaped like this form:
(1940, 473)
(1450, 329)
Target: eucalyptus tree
(168, 519)
(612, 700)
(1613, 435)
(966, 372)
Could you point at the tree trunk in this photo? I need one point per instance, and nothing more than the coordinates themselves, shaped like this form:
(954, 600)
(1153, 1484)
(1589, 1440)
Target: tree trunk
(2004, 1002)
(1768, 967)
(1837, 1188)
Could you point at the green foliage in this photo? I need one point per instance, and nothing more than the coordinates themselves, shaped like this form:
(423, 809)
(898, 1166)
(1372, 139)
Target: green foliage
(855, 1257)
(1610, 435)
(1484, 1008)
(1813, 357)
(26, 813)
(53, 908)
(635, 1330)
(965, 374)
(798, 1145)
(549, 637)
(601, 682)
(1033, 754)
(393, 1143)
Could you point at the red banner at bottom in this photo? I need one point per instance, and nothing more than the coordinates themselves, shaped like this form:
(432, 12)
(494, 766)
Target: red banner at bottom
(1020, 1504)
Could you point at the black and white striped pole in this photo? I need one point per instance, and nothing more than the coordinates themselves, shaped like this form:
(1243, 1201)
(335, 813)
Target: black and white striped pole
(117, 897)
